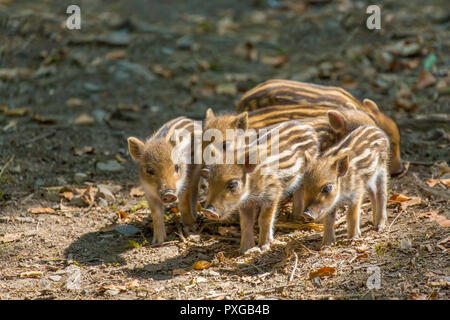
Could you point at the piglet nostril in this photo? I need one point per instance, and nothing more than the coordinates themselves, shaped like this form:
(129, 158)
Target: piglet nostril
(210, 213)
(169, 197)
(308, 214)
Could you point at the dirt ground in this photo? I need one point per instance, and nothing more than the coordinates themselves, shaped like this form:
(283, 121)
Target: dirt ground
(70, 98)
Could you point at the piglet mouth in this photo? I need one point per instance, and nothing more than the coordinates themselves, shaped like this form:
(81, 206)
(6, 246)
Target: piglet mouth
(210, 213)
(308, 215)
(402, 171)
(168, 197)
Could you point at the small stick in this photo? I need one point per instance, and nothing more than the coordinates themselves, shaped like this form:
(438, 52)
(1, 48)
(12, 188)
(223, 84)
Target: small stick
(392, 223)
(39, 137)
(6, 165)
(295, 268)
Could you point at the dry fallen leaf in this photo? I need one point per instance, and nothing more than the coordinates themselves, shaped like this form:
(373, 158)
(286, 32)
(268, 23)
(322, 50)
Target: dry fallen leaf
(442, 221)
(137, 192)
(416, 296)
(10, 237)
(86, 149)
(115, 55)
(42, 210)
(275, 62)
(66, 195)
(84, 119)
(425, 79)
(174, 210)
(88, 196)
(31, 274)
(404, 201)
(74, 102)
(122, 214)
(432, 182)
(323, 272)
(113, 287)
(201, 265)
(178, 272)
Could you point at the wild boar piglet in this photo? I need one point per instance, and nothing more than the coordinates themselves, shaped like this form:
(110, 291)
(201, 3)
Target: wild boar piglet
(255, 188)
(164, 177)
(342, 175)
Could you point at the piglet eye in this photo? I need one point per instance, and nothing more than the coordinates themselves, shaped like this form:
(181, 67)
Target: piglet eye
(326, 188)
(177, 168)
(150, 171)
(232, 185)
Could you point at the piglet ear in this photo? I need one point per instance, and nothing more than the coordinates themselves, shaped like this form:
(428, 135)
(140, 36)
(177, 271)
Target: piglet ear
(308, 158)
(371, 105)
(341, 165)
(241, 121)
(136, 148)
(337, 120)
(209, 114)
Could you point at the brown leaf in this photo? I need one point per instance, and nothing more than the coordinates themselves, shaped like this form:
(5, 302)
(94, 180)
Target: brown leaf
(178, 272)
(442, 221)
(416, 296)
(174, 210)
(405, 104)
(201, 265)
(42, 120)
(445, 182)
(88, 196)
(42, 210)
(84, 119)
(323, 272)
(162, 71)
(113, 287)
(276, 61)
(86, 149)
(115, 55)
(31, 274)
(68, 195)
(18, 112)
(74, 102)
(137, 192)
(364, 255)
(122, 214)
(226, 231)
(10, 237)
(432, 182)
(425, 79)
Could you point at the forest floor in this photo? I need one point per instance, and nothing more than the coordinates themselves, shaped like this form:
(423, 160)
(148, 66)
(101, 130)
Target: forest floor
(70, 98)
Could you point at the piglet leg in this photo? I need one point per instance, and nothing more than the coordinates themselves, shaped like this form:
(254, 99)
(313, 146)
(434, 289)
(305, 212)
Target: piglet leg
(157, 213)
(247, 221)
(328, 232)
(380, 199)
(353, 216)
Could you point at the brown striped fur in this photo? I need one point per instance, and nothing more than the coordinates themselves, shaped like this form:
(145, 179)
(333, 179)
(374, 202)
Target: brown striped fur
(310, 96)
(245, 188)
(163, 180)
(342, 175)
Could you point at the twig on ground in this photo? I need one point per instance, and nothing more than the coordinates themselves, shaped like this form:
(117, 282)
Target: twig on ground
(39, 137)
(392, 223)
(295, 268)
(6, 165)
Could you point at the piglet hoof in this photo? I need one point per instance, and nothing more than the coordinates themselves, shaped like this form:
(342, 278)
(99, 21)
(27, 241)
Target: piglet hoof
(379, 227)
(252, 251)
(159, 239)
(188, 230)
